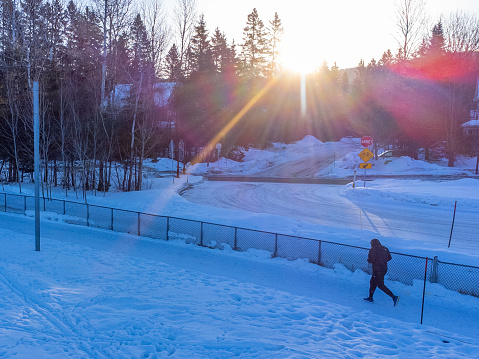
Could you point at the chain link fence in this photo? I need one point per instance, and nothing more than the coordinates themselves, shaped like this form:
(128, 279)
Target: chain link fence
(403, 268)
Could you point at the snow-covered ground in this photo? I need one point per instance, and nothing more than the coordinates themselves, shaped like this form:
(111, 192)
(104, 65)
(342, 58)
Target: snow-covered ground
(328, 159)
(94, 293)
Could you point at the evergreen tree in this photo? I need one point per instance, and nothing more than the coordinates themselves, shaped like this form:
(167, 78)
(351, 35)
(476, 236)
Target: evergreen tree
(224, 56)
(218, 48)
(255, 46)
(229, 61)
(275, 32)
(437, 43)
(141, 49)
(173, 66)
(34, 34)
(345, 83)
(334, 76)
(434, 46)
(386, 59)
(201, 56)
(360, 79)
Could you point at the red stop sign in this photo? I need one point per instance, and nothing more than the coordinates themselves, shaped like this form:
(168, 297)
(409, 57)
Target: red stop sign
(367, 141)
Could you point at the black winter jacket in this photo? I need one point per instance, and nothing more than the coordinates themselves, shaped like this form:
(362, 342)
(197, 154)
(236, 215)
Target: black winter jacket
(379, 257)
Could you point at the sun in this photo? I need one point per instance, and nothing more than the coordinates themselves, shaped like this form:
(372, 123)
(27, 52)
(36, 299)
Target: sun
(295, 57)
(298, 64)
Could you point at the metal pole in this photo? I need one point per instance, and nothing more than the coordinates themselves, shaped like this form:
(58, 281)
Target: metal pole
(275, 245)
(236, 239)
(167, 227)
(36, 150)
(139, 233)
(319, 252)
(424, 290)
(452, 227)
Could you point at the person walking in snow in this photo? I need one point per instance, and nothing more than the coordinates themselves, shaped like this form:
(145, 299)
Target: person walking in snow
(379, 257)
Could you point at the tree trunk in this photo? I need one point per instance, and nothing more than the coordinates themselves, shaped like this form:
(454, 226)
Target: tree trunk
(55, 172)
(101, 186)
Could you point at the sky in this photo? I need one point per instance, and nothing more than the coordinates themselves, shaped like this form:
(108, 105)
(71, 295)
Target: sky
(343, 31)
(95, 293)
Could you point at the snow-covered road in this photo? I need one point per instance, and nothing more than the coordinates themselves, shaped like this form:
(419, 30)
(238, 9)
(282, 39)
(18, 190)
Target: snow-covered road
(308, 164)
(328, 206)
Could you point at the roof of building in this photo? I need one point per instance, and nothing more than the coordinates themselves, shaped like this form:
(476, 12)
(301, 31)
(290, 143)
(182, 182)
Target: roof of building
(472, 123)
(163, 91)
(162, 94)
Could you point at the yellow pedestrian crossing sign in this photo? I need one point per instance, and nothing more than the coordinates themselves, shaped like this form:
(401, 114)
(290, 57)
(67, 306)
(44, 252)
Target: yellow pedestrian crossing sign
(366, 154)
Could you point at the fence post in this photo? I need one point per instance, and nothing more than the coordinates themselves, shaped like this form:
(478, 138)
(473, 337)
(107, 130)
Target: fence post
(44, 205)
(167, 227)
(275, 245)
(88, 215)
(452, 226)
(319, 253)
(5, 202)
(235, 245)
(64, 208)
(424, 290)
(111, 222)
(434, 272)
(201, 235)
(138, 223)
(24, 204)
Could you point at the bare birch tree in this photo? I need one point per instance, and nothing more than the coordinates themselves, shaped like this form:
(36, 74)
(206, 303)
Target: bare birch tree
(184, 17)
(158, 33)
(115, 18)
(461, 32)
(411, 23)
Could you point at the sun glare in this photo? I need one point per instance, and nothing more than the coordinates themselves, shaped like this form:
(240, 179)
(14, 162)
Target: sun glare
(295, 57)
(299, 65)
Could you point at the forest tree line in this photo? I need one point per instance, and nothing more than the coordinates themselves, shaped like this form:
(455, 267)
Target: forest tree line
(235, 94)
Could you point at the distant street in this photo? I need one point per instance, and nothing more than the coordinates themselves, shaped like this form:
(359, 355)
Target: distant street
(338, 181)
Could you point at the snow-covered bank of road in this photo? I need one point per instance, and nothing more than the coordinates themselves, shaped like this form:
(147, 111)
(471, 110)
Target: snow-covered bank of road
(97, 294)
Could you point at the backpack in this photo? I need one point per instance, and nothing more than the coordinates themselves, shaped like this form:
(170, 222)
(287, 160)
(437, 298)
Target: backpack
(383, 255)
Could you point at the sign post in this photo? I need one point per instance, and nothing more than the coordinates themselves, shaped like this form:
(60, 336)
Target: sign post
(218, 147)
(365, 155)
(181, 154)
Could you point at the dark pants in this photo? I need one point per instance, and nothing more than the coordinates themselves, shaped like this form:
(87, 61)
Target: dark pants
(377, 281)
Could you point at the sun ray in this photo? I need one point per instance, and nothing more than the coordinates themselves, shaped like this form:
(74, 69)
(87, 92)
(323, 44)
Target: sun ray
(211, 145)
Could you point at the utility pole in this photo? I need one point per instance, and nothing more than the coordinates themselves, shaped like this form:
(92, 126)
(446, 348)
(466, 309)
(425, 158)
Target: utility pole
(36, 143)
